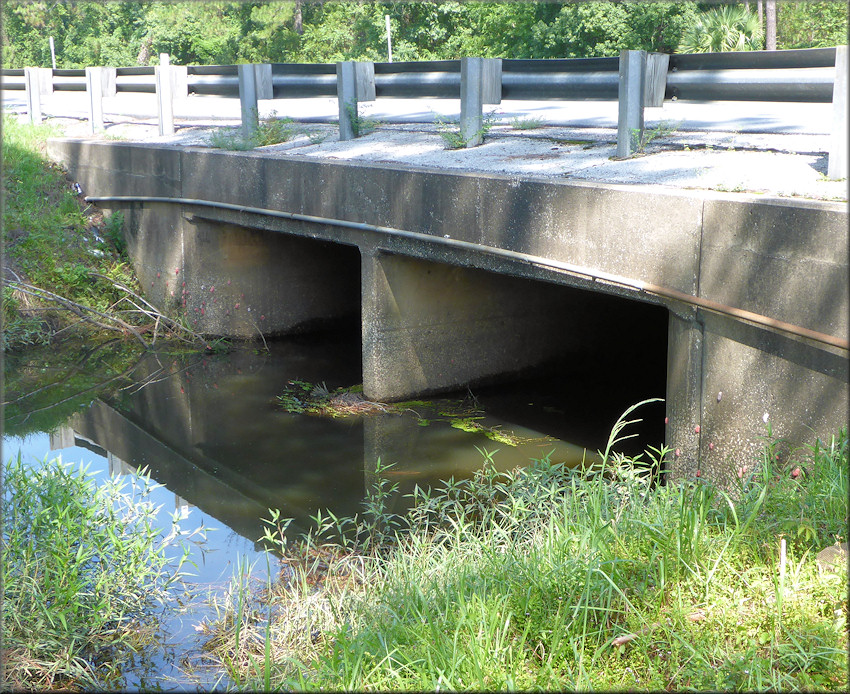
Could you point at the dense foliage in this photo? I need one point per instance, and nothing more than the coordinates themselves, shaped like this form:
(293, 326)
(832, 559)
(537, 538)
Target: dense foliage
(131, 33)
(726, 28)
(84, 571)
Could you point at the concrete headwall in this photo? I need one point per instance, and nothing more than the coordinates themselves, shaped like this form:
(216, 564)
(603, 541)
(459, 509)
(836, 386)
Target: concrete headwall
(435, 316)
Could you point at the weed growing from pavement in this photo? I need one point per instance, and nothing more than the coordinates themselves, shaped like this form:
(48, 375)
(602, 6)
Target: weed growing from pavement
(270, 131)
(527, 123)
(360, 123)
(449, 130)
(640, 140)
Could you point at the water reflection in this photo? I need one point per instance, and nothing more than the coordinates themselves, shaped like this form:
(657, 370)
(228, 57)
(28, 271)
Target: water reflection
(211, 430)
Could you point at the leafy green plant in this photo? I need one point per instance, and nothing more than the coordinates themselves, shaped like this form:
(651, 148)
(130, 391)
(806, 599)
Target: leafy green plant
(317, 137)
(640, 140)
(526, 123)
(270, 131)
(84, 570)
(233, 140)
(449, 130)
(273, 130)
(360, 123)
(113, 232)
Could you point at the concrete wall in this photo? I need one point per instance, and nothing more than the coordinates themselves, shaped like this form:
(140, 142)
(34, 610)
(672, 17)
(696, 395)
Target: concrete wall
(232, 281)
(425, 304)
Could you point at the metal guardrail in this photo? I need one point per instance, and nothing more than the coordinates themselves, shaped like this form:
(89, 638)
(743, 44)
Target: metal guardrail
(804, 75)
(636, 79)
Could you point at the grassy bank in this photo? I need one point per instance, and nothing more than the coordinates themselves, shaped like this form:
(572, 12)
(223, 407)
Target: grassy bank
(545, 578)
(84, 572)
(66, 272)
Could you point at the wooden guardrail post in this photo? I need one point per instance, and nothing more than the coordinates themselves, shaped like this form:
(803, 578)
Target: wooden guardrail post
(33, 94)
(837, 163)
(255, 83)
(480, 83)
(631, 100)
(355, 82)
(45, 80)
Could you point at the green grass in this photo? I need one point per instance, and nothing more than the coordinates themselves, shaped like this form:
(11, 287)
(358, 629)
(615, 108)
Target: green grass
(84, 572)
(52, 240)
(547, 578)
(526, 123)
(270, 131)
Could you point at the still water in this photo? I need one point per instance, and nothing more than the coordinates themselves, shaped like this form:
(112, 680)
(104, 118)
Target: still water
(211, 430)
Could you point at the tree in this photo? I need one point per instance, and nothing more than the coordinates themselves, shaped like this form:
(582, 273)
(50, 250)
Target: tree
(726, 28)
(770, 25)
(811, 24)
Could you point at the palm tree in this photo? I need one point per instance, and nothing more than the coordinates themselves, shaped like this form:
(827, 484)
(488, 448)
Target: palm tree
(728, 28)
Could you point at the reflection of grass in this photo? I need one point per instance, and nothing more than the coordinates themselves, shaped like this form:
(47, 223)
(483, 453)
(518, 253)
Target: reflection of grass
(550, 578)
(44, 386)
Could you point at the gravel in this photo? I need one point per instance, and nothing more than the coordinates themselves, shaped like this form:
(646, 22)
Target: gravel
(786, 165)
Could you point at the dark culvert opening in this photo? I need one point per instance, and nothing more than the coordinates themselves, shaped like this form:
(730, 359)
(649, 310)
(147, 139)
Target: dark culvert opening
(579, 395)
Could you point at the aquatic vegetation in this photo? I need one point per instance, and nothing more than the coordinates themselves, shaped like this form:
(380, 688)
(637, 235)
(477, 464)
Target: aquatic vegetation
(84, 574)
(302, 397)
(546, 577)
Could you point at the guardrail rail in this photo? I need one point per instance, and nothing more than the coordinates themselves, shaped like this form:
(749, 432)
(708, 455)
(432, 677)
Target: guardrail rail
(636, 79)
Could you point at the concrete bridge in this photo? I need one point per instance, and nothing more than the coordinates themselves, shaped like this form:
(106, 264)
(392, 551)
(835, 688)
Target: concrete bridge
(460, 278)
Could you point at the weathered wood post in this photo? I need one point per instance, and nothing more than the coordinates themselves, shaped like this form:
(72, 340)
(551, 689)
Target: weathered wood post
(480, 83)
(837, 166)
(255, 83)
(643, 81)
(355, 82)
(655, 80)
(33, 94)
(45, 80)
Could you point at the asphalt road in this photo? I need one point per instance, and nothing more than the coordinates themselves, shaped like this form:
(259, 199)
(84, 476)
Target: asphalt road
(724, 116)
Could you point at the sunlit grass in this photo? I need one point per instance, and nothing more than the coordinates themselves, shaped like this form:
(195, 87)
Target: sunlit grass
(52, 240)
(270, 131)
(547, 578)
(84, 572)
